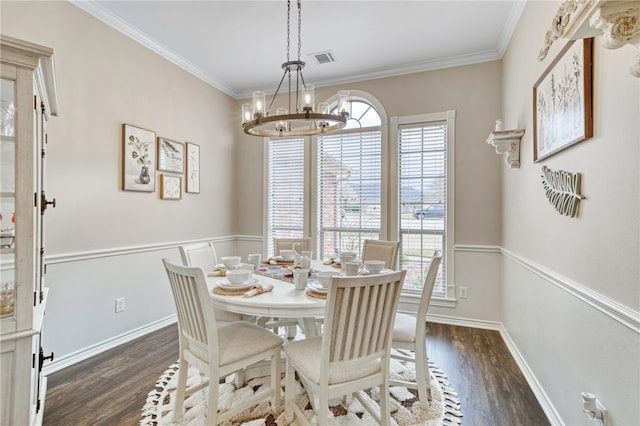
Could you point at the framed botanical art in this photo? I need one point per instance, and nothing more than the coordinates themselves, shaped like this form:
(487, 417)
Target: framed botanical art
(138, 159)
(170, 156)
(562, 101)
(170, 187)
(193, 168)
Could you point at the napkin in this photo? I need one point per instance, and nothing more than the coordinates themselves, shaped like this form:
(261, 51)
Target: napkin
(218, 273)
(258, 289)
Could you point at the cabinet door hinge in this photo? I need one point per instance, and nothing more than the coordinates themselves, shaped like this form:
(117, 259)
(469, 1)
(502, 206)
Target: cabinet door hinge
(42, 107)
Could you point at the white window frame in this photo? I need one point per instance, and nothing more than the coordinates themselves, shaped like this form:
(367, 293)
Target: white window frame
(449, 117)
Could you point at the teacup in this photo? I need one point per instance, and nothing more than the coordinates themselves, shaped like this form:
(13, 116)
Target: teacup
(300, 277)
(230, 262)
(374, 266)
(347, 256)
(286, 254)
(247, 266)
(351, 268)
(239, 276)
(254, 259)
(325, 277)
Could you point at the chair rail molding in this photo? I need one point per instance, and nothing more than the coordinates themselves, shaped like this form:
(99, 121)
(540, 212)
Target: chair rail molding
(507, 142)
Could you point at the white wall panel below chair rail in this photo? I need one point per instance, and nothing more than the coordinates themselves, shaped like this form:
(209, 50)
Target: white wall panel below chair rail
(81, 312)
(567, 340)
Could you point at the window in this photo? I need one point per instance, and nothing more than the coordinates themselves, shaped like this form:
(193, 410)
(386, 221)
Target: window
(347, 198)
(285, 189)
(349, 175)
(423, 174)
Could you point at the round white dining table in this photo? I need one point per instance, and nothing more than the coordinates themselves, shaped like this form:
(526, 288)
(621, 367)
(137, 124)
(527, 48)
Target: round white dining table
(284, 301)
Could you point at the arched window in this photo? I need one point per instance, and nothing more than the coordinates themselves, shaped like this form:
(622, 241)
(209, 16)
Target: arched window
(338, 205)
(349, 182)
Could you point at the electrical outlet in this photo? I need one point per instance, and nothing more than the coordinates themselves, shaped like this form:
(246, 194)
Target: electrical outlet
(463, 292)
(119, 304)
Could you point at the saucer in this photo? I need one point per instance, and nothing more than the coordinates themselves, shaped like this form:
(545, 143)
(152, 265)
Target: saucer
(226, 284)
(317, 287)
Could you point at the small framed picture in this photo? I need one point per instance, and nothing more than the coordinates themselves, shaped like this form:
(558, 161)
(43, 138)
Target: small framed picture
(170, 156)
(138, 159)
(193, 168)
(170, 187)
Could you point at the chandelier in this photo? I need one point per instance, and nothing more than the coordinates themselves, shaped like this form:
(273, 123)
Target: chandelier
(302, 119)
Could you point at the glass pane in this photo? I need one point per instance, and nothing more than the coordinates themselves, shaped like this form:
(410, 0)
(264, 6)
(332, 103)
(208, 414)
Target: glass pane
(7, 197)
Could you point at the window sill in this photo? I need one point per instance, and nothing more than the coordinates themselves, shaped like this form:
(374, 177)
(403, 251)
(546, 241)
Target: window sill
(409, 302)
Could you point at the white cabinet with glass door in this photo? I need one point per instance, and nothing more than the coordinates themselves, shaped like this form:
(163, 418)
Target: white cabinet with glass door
(27, 100)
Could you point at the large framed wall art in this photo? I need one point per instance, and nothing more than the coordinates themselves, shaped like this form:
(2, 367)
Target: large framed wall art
(562, 101)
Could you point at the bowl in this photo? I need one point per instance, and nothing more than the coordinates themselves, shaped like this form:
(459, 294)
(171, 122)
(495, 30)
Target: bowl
(325, 277)
(230, 262)
(374, 266)
(286, 254)
(239, 276)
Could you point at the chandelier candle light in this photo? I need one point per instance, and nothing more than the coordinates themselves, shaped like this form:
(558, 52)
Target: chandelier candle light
(256, 117)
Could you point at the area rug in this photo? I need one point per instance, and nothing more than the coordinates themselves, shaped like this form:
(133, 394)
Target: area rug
(444, 407)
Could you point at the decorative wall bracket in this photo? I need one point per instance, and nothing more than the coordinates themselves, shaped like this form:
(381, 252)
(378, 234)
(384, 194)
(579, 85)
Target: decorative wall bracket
(562, 190)
(618, 22)
(507, 141)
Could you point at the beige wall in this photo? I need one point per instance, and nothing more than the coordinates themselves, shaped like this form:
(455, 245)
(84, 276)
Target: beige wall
(599, 248)
(571, 290)
(106, 79)
(473, 91)
(104, 243)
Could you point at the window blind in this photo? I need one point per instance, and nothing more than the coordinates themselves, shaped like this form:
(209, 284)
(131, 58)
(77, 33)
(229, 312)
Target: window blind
(422, 157)
(349, 190)
(285, 190)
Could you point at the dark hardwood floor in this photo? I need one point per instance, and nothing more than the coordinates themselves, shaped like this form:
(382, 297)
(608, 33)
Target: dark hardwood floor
(111, 388)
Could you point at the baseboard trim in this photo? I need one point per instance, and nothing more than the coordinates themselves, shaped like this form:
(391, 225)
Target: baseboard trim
(88, 352)
(537, 389)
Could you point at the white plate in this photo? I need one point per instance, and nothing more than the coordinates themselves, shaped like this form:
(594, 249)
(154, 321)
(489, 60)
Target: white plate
(226, 284)
(317, 287)
(221, 266)
(384, 271)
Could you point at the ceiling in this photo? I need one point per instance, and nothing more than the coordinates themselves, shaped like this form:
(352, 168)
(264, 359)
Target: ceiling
(239, 46)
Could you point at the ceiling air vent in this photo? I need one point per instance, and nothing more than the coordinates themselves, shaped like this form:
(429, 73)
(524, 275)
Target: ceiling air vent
(324, 57)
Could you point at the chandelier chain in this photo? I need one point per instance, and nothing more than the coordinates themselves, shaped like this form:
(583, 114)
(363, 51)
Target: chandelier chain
(299, 27)
(288, 28)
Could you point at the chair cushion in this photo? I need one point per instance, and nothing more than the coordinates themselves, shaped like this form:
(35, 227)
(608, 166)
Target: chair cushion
(404, 328)
(241, 339)
(305, 356)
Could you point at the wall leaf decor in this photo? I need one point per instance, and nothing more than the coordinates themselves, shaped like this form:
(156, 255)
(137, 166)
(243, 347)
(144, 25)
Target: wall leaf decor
(562, 190)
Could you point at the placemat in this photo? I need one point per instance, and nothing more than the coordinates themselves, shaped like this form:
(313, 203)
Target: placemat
(225, 292)
(315, 294)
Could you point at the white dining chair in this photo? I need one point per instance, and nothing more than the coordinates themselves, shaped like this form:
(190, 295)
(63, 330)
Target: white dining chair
(410, 333)
(217, 351)
(304, 244)
(381, 250)
(203, 256)
(353, 352)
